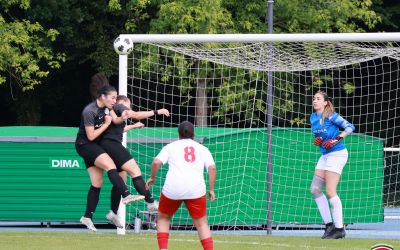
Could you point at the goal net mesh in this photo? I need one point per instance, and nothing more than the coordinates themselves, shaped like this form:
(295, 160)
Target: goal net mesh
(223, 89)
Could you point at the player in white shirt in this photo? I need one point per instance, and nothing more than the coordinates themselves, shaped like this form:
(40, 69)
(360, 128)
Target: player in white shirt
(184, 182)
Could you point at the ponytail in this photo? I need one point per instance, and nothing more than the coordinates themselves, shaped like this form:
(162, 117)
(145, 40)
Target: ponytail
(329, 108)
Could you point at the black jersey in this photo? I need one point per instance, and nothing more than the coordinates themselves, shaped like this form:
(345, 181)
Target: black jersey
(115, 131)
(92, 115)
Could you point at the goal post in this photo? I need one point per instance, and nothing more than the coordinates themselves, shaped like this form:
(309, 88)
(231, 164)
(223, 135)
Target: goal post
(219, 82)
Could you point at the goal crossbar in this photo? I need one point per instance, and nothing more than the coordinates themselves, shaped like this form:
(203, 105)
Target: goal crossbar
(251, 38)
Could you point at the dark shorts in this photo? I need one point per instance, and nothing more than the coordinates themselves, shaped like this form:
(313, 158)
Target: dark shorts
(89, 152)
(118, 153)
(197, 207)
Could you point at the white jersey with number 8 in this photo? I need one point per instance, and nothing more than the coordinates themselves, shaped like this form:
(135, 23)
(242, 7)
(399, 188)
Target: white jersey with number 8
(187, 160)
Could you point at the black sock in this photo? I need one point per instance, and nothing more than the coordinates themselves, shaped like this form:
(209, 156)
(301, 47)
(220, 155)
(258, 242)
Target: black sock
(92, 201)
(140, 187)
(117, 182)
(115, 199)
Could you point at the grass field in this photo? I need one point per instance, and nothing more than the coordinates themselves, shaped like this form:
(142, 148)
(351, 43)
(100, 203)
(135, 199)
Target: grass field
(85, 240)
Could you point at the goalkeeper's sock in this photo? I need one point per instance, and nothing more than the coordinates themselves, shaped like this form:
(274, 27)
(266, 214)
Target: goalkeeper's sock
(117, 182)
(208, 243)
(323, 207)
(140, 187)
(336, 205)
(92, 201)
(115, 199)
(162, 239)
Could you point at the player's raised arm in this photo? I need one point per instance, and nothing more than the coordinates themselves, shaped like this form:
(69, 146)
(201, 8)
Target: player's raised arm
(139, 115)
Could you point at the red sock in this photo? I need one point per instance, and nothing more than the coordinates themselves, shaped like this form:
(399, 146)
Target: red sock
(162, 239)
(208, 243)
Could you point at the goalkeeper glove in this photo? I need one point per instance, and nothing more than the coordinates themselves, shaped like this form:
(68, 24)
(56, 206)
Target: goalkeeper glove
(318, 141)
(332, 142)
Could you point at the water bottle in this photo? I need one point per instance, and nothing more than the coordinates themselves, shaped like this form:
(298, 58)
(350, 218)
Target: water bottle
(138, 224)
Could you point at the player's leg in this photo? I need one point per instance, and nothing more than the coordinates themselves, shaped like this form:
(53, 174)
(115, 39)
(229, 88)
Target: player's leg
(317, 185)
(204, 232)
(89, 152)
(116, 195)
(163, 230)
(198, 210)
(166, 210)
(115, 200)
(124, 161)
(96, 180)
(133, 169)
(332, 180)
(104, 161)
(336, 162)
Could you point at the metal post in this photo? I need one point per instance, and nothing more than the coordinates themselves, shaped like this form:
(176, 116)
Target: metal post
(123, 90)
(270, 108)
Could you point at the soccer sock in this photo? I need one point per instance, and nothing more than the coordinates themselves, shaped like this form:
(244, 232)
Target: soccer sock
(115, 199)
(140, 187)
(207, 243)
(336, 205)
(92, 201)
(162, 239)
(323, 207)
(117, 182)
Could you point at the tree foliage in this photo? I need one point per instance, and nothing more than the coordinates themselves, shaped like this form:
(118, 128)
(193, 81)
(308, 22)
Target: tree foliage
(25, 54)
(37, 36)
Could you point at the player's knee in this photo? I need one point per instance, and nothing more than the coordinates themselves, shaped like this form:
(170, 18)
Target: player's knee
(331, 192)
(316, 186)
(98, 183)
(316, 191)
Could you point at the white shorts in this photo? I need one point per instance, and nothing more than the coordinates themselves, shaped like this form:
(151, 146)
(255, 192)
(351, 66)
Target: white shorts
(333, 162)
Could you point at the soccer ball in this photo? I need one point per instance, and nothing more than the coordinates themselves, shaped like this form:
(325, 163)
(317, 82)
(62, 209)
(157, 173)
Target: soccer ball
(123, 45)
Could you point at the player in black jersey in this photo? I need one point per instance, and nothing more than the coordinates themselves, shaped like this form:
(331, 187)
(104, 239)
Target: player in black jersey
(112, 144)
(95, 120)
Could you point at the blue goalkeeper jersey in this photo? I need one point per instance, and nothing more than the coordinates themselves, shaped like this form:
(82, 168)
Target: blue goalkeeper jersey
(330, 129)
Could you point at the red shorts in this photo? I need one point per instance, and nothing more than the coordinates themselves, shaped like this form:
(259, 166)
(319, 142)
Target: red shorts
(197, 207)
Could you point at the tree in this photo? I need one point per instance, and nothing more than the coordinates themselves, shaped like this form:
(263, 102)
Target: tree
(26, 57)
(308, 16)
(204, 17)
(300, 16)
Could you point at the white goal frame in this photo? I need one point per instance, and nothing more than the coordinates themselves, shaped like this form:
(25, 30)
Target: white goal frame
(243, 38)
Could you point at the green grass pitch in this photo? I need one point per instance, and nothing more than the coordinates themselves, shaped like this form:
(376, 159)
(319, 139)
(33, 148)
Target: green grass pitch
(106, 240)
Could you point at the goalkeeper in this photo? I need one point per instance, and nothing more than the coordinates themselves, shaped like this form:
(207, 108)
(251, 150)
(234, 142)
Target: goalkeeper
(111, 142)
(325, 125)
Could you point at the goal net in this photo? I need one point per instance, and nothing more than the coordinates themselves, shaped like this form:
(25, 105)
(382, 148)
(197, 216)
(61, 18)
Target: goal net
(224, 85)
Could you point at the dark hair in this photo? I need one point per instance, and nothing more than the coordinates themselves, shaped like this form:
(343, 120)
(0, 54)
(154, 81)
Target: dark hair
(98, 80)
(105, 90)
(186, 130)
(329, 108)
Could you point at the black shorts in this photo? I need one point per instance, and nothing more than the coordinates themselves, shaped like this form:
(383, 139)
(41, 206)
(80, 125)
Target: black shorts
(118, 153)
(89, 152)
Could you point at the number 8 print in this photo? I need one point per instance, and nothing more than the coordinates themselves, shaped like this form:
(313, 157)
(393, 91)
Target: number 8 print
(189, 154)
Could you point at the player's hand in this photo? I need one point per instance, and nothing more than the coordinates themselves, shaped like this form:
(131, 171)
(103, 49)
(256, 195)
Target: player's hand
(163, 112)
(138, 125)
(211, 196)
(149, 183)
(332, 142)
(318, 141)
